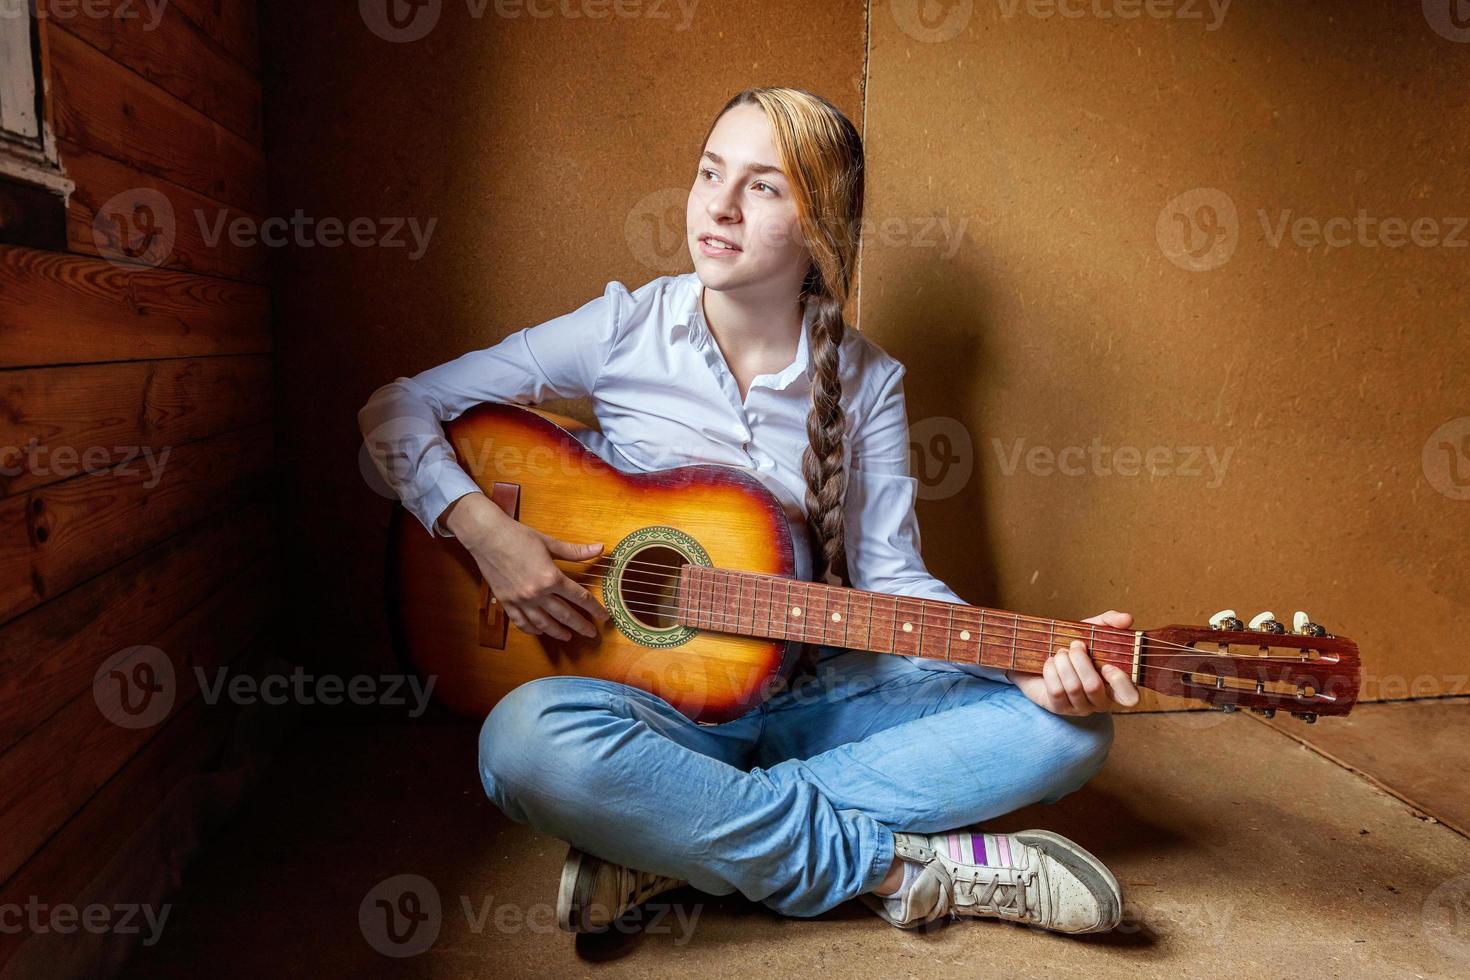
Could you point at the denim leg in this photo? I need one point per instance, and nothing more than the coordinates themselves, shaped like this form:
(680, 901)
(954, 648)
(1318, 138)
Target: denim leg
(620, 773)
(924, 751)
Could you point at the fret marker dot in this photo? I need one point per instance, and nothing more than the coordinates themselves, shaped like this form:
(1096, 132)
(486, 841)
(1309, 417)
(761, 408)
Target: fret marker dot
(796, 610)
(837, 617)
(908, 627)
(964, 634)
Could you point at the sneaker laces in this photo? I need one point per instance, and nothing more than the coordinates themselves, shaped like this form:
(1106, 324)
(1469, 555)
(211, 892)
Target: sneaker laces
(1010, 893)
(639, 885)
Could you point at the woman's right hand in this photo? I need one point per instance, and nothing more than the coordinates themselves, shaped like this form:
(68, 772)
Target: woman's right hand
(517, 562)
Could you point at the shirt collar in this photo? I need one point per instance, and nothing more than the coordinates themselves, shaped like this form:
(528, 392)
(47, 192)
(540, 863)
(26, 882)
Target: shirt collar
(696, 330)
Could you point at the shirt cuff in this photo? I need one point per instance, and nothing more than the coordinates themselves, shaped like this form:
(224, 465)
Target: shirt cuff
(452, 484)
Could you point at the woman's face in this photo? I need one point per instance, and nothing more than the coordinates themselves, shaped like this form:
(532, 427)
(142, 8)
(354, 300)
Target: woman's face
(741, 195)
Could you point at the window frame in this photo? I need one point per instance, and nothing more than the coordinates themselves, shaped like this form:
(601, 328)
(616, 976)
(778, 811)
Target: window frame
(25, 157)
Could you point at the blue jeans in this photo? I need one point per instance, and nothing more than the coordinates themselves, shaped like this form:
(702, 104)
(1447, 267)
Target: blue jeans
(794, 803)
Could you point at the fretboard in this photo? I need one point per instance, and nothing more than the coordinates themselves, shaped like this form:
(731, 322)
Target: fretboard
(777, 607)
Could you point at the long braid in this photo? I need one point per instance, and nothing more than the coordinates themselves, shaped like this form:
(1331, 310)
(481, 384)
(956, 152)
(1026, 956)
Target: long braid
(822, 464)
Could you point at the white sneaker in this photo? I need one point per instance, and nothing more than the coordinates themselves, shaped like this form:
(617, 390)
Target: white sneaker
(1033, 877)
(595, 893)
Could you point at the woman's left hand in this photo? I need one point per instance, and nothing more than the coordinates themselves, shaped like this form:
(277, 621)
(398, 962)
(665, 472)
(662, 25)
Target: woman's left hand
(1070, 683)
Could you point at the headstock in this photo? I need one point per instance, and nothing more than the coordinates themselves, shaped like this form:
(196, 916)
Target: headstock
(1260, 665)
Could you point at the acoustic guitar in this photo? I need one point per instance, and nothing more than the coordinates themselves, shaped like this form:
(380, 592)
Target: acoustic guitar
(706, 576)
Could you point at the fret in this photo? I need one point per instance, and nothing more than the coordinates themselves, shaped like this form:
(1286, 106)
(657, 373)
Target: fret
(815, 612)
(785, 589)
(727, 613)
(732, 603)
(868, 640)
(742, 612)
(713, 604)
(981, 657)
(846, 615)
(797, 599)
(698, 583)
(949, 633)
(1015, 634)
(711, 612)
(925, 634)
(965, 634)
(907, 640)
(893, 643)
(859, 621)
(811, 615)
(783, 611)
(766, 626)
(1051, 637)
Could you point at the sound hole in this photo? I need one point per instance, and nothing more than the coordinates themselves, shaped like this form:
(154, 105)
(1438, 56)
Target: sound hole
(650, 586)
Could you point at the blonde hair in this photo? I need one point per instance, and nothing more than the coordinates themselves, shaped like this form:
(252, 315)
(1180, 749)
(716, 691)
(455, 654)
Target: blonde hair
(822, 155)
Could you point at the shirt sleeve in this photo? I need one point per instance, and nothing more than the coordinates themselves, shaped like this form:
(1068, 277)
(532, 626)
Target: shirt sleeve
(400, 422)
(882, 528)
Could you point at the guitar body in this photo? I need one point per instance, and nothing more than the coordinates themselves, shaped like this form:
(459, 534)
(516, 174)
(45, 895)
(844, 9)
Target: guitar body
(452, 629)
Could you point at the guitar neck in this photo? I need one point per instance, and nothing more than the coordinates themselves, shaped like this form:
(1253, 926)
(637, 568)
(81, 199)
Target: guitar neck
(777, 607)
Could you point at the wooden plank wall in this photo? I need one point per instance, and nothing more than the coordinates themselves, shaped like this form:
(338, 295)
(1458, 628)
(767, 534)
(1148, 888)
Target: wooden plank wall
(146, 514)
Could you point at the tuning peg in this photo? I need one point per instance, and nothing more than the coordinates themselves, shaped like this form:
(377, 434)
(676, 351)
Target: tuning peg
(1265, 712)
(1225, 620)
(1225, 707)
(1266, 623)
(1307, 716)
(1301, 623)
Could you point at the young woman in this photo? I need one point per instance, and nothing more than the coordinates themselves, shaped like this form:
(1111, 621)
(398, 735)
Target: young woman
(865, 778)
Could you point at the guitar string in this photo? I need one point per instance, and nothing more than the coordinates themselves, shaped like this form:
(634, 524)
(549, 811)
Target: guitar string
(1185, 649)
(1023, 645)
(1127, 641)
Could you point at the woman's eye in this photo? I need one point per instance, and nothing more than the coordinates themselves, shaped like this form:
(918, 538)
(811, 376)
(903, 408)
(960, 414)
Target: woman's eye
(761, 183)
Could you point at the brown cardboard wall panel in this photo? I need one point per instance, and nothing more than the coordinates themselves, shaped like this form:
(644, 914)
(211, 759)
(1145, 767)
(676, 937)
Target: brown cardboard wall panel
(1123, 259)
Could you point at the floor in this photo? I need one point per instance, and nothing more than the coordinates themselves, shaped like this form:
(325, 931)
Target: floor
(1242, 850)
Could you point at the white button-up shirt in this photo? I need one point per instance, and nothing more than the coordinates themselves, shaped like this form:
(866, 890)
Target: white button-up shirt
(664, 397)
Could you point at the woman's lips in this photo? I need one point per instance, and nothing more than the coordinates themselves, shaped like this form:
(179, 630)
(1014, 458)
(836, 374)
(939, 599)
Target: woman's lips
(716, 251)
